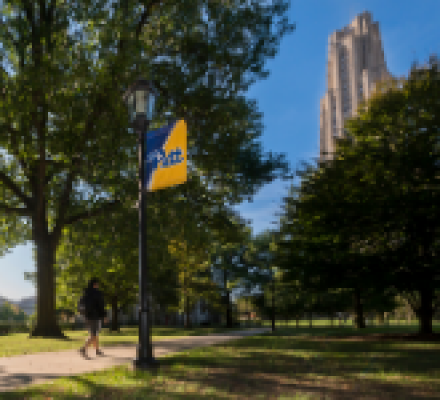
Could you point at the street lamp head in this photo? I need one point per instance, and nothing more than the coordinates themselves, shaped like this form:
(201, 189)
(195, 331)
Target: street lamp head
(140, 99)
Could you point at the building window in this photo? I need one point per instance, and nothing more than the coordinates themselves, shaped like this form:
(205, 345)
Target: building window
(364, 53)
(361, 91)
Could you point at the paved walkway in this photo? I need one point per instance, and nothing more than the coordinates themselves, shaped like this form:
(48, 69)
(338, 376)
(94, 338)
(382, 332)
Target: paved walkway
(29, 369)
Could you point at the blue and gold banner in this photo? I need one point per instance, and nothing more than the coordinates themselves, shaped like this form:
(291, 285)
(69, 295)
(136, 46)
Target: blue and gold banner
(165, 158)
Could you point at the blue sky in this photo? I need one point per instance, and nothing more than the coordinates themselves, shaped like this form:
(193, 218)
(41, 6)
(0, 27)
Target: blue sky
(289, 97)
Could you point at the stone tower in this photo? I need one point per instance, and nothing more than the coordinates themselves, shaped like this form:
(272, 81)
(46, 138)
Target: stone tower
(355, 63)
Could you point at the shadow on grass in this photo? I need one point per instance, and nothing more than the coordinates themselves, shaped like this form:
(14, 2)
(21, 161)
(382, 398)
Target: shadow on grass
(64, 338)
(122, 332)
(169, 331)
(262, 365)
(196, 331)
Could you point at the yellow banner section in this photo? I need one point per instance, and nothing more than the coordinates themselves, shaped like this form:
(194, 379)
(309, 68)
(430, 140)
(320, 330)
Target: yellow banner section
(172, 170)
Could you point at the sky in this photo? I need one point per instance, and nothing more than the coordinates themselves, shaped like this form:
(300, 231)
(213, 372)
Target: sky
(289, 97)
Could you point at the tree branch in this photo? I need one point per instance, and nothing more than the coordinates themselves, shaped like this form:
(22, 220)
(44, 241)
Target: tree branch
(12, 186)
(141, 23)
(54, 163)
(29, 14)
(165, 93)
(49, 23)
(64, 202)
(14, 143)
(93, 213)
(97, 111)
(145, 15)
(15, 210)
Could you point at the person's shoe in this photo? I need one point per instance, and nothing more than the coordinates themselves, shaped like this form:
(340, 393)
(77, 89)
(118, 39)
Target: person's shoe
(82, 351)
(99, 353)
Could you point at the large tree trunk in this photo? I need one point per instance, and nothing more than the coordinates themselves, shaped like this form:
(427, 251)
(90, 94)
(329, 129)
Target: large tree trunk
(228, 310)
(273, 306)
(46, 325)
(187, 313)
(115, 323)
(227, 300)
(381, 318)
(359, 310)
(425, 311)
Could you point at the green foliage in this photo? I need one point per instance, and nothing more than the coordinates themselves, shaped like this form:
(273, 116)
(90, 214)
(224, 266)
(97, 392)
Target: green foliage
(209, 227)
(11, 312)
(95, 249)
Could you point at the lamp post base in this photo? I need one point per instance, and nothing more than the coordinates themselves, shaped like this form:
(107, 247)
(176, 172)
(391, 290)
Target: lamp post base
(144, 364)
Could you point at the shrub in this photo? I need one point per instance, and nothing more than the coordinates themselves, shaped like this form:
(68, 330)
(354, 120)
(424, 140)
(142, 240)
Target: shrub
(7, 327)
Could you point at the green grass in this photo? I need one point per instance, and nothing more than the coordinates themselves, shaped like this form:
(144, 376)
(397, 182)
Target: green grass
(21, 343)
(290, 364)
(327, 323)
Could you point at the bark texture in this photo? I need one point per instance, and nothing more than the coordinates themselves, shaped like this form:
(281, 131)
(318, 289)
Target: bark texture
(359, 309)
(46, 325)
(115, 322)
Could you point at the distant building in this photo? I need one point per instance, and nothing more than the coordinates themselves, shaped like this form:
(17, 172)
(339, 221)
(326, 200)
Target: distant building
(27, 305)
(201, 314)
(356, 63)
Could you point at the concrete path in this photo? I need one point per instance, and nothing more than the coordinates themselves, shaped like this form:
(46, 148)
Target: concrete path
(29, 369)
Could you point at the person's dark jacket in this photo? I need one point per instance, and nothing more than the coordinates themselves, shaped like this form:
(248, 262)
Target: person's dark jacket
(94, 304)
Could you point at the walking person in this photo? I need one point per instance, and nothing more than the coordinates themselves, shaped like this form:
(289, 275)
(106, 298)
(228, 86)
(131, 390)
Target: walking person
(94, 312)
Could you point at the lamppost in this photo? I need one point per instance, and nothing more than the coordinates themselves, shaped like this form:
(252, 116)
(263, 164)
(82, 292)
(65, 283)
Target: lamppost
(140, 98)
(273, 300)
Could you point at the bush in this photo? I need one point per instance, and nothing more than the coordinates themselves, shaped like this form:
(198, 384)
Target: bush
(69, 326)
(32, 320)
(7, 327)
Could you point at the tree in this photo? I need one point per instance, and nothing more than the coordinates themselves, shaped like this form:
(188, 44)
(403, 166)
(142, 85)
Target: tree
(319, 229)
(371, 211)
(11, 312)
(265, 273)
(64, 142)
(399, 129)
(229, 262)
(209, 227)
(93, 249)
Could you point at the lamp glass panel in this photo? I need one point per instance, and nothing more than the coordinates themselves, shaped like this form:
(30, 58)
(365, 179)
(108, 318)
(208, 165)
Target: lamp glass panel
(151, 102)
(141, 101)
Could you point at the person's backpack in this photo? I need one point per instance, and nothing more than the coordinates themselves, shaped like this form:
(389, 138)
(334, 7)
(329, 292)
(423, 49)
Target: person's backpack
(82, 305)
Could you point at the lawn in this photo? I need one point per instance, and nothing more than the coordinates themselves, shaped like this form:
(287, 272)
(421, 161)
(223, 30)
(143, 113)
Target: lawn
(349, 323)
(21, 343)
(292, 363)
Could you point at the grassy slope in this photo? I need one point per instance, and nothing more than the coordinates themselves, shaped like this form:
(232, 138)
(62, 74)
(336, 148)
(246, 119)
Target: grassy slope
(292, 364)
